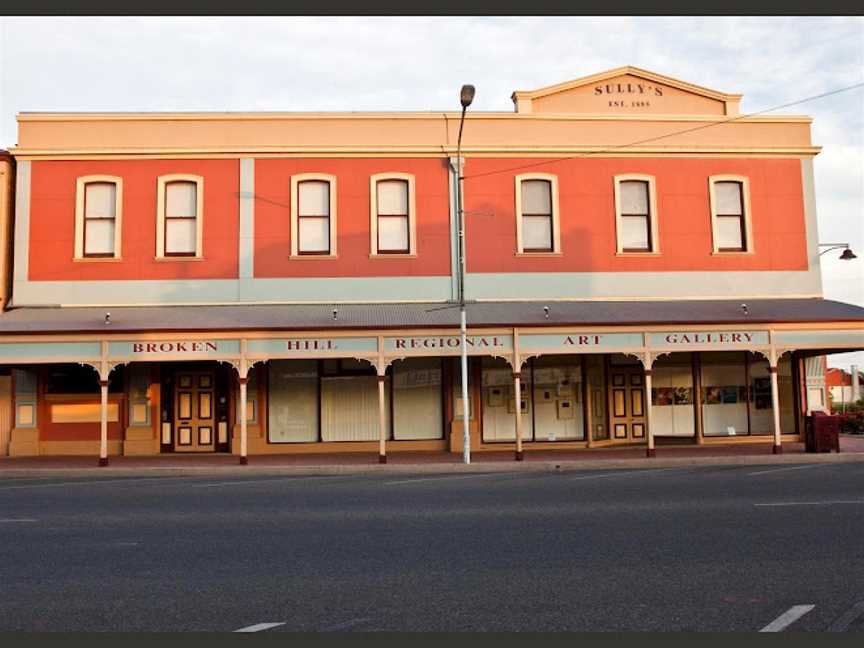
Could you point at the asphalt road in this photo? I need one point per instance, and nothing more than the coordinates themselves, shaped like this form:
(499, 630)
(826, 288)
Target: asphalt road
(732, 548)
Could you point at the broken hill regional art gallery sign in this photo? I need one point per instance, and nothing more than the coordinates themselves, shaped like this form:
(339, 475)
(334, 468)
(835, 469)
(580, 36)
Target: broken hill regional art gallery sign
(444, 344)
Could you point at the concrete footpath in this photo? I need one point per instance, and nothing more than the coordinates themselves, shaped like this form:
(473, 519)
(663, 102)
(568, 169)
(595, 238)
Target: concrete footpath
(852, 451)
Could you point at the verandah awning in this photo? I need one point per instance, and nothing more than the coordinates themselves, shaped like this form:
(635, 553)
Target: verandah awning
(300, 317)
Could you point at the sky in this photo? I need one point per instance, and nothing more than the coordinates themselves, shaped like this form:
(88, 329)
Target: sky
(419, 63)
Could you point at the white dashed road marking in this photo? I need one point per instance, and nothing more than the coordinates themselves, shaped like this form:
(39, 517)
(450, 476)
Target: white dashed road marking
(240, 482)
(822, 503)
(7, 520)
(625, 473)
(258, 627)
(91, 482)
(444, 478)
(773, 470)
(786, 619)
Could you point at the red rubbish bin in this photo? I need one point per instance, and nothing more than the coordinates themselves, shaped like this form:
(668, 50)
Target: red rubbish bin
(822, 433)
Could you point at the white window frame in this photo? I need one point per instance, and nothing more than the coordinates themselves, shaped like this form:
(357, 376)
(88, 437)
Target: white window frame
(161, 185)
(295, 204)
(556, 218)
(653, 216)
(80, 193)
(373, 215)
(745, 202)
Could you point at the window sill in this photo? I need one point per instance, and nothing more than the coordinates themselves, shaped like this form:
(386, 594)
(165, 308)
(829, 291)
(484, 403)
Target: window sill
(539, 254)
(172, 259)
(312, 257)
(637, 254)
(397, 255)
(97, 259)
(732, 253)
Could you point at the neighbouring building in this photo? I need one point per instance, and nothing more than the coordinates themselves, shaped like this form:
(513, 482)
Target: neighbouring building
(642, 268)
(841, 389)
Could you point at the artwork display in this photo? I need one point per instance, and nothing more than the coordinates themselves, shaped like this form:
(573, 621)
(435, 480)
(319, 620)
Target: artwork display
(683, 395)
(762, 393)
(729, 394)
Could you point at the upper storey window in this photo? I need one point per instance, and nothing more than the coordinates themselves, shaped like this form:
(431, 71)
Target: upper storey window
(730, 214)
(537, 219)
(392, 217)
(313, 215)
(97, 217)
(636, 214)
(180, 216)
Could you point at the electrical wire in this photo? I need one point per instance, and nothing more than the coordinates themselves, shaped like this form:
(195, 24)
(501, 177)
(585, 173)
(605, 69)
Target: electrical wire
(618, 147)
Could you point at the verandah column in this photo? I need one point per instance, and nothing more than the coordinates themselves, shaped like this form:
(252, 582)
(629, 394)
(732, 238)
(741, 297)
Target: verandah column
(647, 359)
(649, 417)
(103, 423)
(382, 421)
(775, 405)
(517, 391)
(243, 436)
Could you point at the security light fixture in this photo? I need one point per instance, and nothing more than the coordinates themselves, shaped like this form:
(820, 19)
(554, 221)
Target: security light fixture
(847, 254)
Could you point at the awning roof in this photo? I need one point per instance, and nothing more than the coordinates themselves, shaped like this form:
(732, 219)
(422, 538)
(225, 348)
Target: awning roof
(424, 315)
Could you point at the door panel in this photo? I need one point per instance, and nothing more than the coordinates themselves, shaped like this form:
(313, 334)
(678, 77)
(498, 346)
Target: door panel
(193, 415)
(627, 397)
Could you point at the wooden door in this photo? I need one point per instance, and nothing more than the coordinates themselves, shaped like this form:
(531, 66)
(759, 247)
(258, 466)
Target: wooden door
(194, 416)
(627, 404)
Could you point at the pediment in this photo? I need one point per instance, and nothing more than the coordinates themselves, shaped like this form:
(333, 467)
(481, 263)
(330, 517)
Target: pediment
(626, 91)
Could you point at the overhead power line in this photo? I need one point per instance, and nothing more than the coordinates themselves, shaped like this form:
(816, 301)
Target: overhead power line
(618, 147)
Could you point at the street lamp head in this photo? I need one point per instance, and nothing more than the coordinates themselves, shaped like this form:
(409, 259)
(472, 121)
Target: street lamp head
(848, 255)
(466, 95)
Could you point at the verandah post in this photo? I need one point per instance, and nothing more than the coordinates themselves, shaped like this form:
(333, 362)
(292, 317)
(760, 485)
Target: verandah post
(103, 423)
(382, 422)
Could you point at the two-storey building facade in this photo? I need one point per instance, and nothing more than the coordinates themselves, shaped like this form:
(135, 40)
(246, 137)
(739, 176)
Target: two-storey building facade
(642, 264)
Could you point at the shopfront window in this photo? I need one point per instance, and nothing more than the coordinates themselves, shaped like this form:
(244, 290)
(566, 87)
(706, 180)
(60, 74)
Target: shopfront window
(557, 398)
(349, 401)
(499, 401)
(724, 393)
(551, 401)
(418, 409)
(672, 396)
(292, 404)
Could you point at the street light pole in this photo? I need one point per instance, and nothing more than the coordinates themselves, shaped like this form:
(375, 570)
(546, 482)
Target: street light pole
(466, 96)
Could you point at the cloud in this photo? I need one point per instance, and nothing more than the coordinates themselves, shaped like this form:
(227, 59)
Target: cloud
(408, 63)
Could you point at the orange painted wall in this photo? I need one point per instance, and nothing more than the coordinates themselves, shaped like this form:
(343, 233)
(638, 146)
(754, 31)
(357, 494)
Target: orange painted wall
(49, 431)
(52, 220)
(587, 208)
(273, 218)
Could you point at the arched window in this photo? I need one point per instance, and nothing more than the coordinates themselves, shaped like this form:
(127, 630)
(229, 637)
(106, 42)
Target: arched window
(180, 217)
(98, 217)
(392, 215)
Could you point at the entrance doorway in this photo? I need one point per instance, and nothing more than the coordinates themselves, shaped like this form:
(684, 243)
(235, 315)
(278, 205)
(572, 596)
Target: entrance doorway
(627, 403)
(194, 416)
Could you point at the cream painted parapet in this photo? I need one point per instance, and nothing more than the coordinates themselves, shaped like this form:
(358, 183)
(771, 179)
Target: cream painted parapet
(607, 110)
